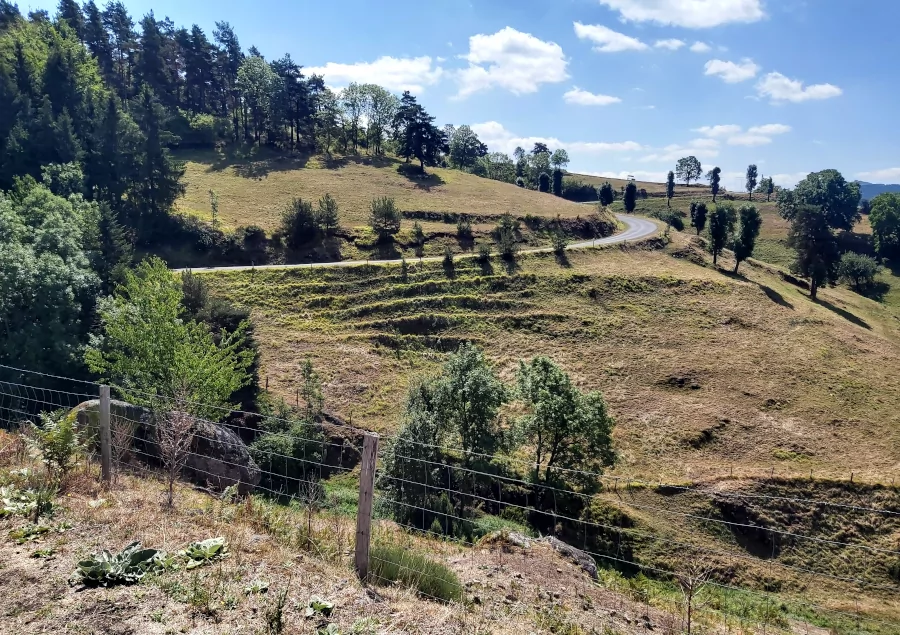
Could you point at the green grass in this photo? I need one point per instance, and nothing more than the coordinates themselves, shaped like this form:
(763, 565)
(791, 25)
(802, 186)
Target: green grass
(395, 563)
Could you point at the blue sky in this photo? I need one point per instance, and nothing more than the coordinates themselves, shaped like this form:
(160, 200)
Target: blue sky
(626, 86)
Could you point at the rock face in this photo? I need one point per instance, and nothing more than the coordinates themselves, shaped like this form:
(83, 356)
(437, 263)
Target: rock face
(218, 459)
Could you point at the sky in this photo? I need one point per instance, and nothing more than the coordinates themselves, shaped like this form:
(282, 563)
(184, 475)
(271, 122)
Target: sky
(625, 86)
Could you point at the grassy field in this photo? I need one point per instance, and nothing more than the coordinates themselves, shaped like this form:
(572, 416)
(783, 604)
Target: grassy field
(254, 189)
(681, 351)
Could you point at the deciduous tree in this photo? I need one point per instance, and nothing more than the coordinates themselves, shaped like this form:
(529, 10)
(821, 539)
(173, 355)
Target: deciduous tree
(830, 192)
(884, 217)
(698, 216)
(816, 245)
(630, 198)
(721, 226)
(752, 176)
(688, 169)
(715, 177)
(747, 233)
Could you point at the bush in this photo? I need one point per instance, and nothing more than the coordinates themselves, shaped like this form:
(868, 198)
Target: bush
(384, 218)
(464, 227)
(484, 252)
(857, 270)
(449, 265)
(607, 194)
(394, 563)
(520, 181)
(560, 241)
(544, 182)
(57, 441)
(579, 192)
(558, 182)
(298, 223)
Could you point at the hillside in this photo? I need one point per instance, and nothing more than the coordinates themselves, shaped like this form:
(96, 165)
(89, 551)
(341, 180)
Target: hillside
(677, 348)
(255, 189)
(871, 190)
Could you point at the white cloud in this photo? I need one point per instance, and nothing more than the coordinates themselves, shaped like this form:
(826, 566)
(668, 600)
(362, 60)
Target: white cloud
(718, 131)
(585, 98)
(700, 47)
(694, 14)
(407, 73)
(607, 40)
(735, 135)
(731, 72)
(639, 175)
(749, 140)
(700, 148)
(779, 88)
(887, 175)
(789, 180)
(671, 44)
(499, 139)
(770, 129)
(510, 59)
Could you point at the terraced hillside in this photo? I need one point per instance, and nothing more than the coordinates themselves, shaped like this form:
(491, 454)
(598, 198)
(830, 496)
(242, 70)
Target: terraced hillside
(254, 189)
(704, 372)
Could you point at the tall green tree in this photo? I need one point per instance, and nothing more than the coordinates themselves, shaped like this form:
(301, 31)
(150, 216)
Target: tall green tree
(698, 216)
(721, 226)
(630, 198)
(327, 215)
(47, 286)
(160, 184)
(830, 192)
(148, 349)
(752, 177)
(123, 40)
(559, 159)
(884, 216)
(715, 177)
(670, 188)
(380, 108)
(466, 148)
(468, 395)
(747, 233)
(567, 428)
(607, 194)
(817, 248)
(258, 84)
(688, 169)
(415, 133)
(228, 62)
(70, 12)
(384, 218)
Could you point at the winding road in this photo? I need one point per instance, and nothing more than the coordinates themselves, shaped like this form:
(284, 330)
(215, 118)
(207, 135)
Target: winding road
(636, 228)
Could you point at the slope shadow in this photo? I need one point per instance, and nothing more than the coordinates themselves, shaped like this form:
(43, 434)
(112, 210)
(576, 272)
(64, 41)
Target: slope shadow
(843, 313)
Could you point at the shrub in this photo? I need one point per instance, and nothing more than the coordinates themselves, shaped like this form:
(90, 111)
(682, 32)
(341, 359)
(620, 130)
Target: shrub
(394, 563)
(449, 265)
(298, 223)
(559, 240)
(506, 243)
(579, 192)
(57, 441)
(520, 181)
(544, 182)
(533, 222)
(858, 270)
(558, 182)
(484, 252)
(327, 215)
(418, 234)
(464, 227)
(384, 218)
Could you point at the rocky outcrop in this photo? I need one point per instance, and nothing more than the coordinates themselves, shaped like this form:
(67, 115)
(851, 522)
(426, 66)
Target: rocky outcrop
(218, 459)
(577, 556)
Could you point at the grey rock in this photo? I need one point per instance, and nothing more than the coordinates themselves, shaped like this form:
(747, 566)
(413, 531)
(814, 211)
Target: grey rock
(218, 459)
(577, 556)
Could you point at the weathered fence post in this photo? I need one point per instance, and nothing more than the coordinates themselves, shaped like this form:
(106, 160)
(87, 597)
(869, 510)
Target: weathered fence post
(105, 437)
(364, 509)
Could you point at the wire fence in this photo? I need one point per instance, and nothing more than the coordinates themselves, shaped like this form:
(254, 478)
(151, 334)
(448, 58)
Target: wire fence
(767, 554)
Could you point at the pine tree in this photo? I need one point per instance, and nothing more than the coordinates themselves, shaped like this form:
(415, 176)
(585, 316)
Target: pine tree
(68, 147)
(114, 256)
(121, 29)
(23, 72)
(160, 176)
(96, 38)
(70, 12)
(152, 67)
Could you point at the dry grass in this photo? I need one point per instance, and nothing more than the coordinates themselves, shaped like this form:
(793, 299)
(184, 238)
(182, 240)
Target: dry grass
(253, 190)
(677, 348)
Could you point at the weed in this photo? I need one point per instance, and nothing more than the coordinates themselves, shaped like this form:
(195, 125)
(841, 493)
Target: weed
(57, 441)
(201, 597)
(157, 616)
(393, 563)
(200, 553)
(256, 587)
(318, 606)
(126, 567)
(274, 613)
(29, 533)
(43, 553)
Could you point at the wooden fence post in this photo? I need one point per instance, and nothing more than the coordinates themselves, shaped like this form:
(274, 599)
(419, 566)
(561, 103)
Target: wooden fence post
(364, 509)
(105, 436)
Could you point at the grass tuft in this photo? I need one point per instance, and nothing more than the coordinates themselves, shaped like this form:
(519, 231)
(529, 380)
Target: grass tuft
(394, 563)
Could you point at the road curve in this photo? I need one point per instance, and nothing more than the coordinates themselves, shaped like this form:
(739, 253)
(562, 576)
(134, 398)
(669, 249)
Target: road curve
(636, 228)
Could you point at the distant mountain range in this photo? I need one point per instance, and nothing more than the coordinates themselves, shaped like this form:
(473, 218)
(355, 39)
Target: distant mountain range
(871, 190)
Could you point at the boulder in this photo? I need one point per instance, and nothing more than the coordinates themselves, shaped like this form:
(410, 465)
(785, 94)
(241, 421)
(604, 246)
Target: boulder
(577, 556)
(218, 459)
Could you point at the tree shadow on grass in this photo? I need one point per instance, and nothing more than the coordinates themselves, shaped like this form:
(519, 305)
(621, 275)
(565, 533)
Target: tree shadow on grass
(843, 313)
(511, 265)
(562, 259)
(775, 297)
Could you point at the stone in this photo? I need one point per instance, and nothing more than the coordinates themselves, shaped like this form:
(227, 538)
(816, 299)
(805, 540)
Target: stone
(218, 459)
(577, 556)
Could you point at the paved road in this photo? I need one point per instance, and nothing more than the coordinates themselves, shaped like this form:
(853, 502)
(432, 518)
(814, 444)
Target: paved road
(637, 228)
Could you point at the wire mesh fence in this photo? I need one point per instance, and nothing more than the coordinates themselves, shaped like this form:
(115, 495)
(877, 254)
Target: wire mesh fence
(757, 557)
